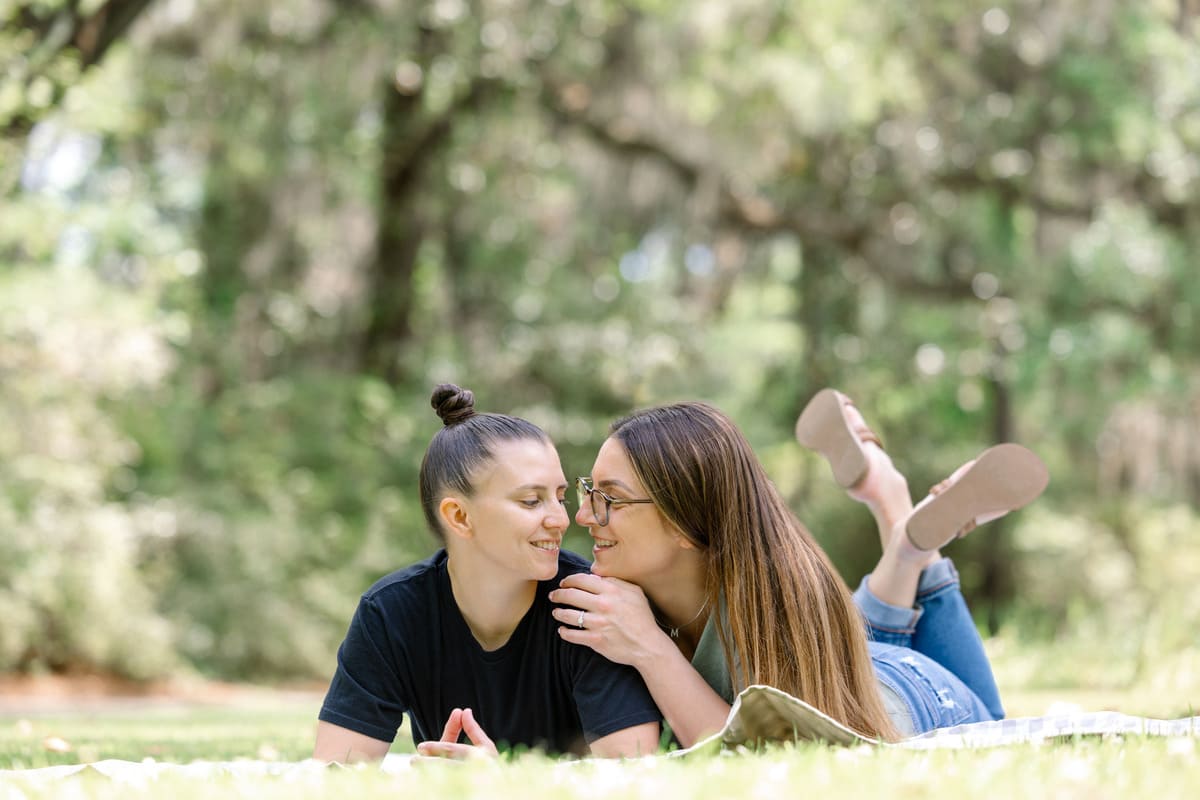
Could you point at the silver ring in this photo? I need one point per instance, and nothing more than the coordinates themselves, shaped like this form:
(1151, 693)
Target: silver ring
(579, 624)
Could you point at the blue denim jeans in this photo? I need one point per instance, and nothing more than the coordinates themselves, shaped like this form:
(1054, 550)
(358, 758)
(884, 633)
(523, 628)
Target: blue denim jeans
(931, 655)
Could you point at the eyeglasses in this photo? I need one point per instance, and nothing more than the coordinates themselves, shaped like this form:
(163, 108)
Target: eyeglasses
(588, 493)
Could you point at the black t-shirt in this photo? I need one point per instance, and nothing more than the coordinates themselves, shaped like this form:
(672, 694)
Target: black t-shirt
(410, 650)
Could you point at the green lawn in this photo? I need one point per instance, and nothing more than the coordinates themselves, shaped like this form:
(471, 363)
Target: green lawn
(278, 726)
(1083, 769)
(282, 731)
(171, 734)
(281, 728)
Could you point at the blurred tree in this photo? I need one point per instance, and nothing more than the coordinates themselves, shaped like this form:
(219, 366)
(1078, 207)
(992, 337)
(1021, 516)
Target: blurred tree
(975, 217)
(47, 46)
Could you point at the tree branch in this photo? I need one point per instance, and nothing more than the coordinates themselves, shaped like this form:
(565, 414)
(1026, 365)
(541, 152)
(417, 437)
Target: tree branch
(95, 34)
(743, 208)
(89, 36)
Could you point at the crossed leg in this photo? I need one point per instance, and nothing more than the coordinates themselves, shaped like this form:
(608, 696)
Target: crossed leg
(1001, 479)
(833, 425)
(912, 598)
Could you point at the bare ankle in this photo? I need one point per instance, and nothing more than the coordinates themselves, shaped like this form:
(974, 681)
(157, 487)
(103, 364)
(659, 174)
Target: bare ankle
(905, 552)
(883, 489)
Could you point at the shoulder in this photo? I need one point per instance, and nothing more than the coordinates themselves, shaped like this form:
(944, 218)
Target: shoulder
(397, 610)
(414, 583)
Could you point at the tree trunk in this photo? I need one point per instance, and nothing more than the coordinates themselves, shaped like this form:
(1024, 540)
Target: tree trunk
(398, 240)
(995, 557)
(410, 144)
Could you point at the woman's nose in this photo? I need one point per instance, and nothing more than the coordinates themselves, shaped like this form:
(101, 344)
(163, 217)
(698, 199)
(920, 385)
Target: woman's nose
(558, 519)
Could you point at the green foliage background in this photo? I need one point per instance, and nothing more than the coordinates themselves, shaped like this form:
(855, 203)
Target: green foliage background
(240, 243)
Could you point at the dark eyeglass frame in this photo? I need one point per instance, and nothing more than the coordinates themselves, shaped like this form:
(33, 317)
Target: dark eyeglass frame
(585, 490)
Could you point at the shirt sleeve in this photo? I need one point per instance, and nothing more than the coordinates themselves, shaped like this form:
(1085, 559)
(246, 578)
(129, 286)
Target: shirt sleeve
(609, 697)
(366, 694)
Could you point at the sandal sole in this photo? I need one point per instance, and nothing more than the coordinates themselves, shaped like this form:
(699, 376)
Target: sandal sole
(1004, 478)
(823, 427)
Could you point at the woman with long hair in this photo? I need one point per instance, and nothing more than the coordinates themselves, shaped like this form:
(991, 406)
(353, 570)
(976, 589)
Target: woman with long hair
(706, 582)
(463, 642)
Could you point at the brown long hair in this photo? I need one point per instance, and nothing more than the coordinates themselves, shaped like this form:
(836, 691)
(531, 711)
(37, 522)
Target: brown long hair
(792, 622)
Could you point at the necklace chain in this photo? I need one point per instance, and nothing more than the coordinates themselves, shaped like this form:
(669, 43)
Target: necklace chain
(673, 630)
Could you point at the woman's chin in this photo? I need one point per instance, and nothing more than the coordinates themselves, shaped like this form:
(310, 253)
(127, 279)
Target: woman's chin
(603, 567)
(599, 567)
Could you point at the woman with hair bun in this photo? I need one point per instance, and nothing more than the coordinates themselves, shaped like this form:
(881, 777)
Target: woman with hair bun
(706, 582)
(464, 642)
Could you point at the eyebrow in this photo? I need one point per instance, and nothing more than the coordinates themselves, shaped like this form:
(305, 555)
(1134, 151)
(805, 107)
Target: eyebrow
(613, 483)
(537, 487)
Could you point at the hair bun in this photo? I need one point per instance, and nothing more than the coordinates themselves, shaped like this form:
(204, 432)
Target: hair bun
(453, 403)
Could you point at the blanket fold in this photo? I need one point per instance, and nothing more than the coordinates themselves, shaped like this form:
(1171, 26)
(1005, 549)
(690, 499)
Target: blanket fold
(763, 714)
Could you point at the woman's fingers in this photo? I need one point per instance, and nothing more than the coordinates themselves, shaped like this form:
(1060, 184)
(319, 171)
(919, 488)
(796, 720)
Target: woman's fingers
(606, 603)
(454, 726)
(452, 750)
(608, 643)
(461, 719)
(596, 584)
(617, 621)
(583, 580)
(583, 590)
(576, 636)
(579, 598)
(568, 616)
(591, 639)
(475, 732)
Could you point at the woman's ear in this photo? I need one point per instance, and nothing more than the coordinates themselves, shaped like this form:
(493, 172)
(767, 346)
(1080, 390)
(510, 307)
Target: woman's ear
(455, 521)
(683, 541)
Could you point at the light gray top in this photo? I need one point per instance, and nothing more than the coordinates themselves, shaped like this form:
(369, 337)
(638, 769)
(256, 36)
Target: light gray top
(709, 659)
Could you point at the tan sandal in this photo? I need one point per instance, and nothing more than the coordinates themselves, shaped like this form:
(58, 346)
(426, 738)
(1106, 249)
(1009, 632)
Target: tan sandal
(1004, 478)
(823, 427)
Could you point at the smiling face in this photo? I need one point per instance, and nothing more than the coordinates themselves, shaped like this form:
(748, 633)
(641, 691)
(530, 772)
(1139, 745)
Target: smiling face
(514, 521)
(639, 544)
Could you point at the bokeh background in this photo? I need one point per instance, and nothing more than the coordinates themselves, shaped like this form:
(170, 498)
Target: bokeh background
(239, 243)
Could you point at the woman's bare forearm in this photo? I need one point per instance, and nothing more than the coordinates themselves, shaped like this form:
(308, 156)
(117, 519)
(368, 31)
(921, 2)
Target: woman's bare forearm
(688, 704)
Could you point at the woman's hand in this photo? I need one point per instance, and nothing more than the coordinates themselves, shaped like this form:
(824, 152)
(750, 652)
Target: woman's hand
(617, 620)
(619, 625)
(461, 719)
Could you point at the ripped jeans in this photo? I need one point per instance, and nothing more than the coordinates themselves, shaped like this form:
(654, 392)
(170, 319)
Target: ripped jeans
(931, 655)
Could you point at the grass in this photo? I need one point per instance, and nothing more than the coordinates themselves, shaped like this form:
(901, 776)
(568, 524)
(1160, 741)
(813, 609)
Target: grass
(178, 735)
(282, 730)
(1081, 769)
(278, 727)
